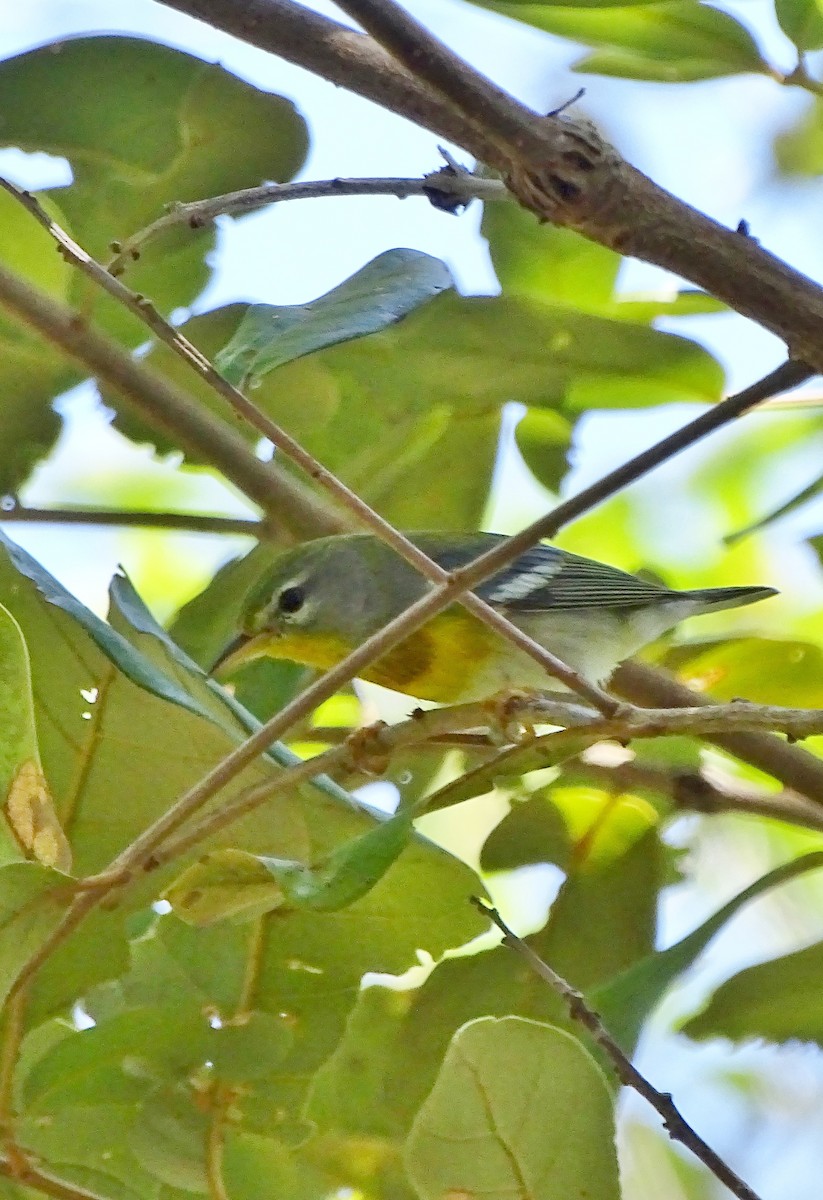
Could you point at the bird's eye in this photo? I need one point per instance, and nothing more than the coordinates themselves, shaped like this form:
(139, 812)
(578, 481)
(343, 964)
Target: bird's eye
(291, 600)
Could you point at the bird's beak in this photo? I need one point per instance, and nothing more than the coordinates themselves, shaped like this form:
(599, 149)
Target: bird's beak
(244, 649)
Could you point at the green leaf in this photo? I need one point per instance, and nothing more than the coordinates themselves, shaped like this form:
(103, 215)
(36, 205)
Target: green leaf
(626, 1001)
(676, 41)
(548, 262)
(798, 150)
(28, 826)
(224, 884)
(765, 671)
(303, 966)
(777, 1000)
(518, 1108)
(544, 438)
(32, 372)
(89, 1146)
(544, 751)
(801, 21)
(349, 872)
(174, 128)
(423, 399)
(168, 1137)
(379, 294)
(604, 918)
(32, 901)
(788, 506)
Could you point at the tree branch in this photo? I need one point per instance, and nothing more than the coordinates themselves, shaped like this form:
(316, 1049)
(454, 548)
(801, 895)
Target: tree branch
(673, 1121)
(697, 791)
(467, 577)
(462, 186)
(372, 749)
(794, 767)
(26, 1174)
(166, 406)
(141, 518)
(558, 167)
(338, 54)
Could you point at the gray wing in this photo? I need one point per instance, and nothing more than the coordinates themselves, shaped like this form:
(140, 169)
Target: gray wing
(547, 578)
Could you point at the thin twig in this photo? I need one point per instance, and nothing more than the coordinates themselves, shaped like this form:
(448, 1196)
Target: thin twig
(462, 185)
(215, 1140)
(13, 1028)
(376, 745)
(27, 1175)
(795, 767)
(482, 103)
(141, 518)
(675, 1124)
(575, 178)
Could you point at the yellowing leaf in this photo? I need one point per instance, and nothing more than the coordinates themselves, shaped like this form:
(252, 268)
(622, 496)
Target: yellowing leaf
(31, 815)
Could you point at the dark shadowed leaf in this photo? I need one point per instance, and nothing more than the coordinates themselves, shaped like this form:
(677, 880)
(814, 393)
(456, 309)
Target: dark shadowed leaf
(626, 1001)
(777, 1000)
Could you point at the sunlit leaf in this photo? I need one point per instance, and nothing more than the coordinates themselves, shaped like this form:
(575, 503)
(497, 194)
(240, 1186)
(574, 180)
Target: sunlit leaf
(518, 1108)
(672, 42)
(348, 872)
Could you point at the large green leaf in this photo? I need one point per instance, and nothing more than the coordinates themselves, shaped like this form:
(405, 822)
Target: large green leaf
(28, 825)
(172, 128)
(548, 262)
(299, 966)
(379, 294)
(765, 671)
(518, 1109)
(602, 921)
(675, 41)
(32, 372)
(423, 399)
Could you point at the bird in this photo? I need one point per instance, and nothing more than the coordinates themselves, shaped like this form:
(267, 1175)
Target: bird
(320, 600)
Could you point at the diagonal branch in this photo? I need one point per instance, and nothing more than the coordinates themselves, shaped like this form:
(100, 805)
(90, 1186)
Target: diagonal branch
(674, 1122)
(168, 407)
(107, 359)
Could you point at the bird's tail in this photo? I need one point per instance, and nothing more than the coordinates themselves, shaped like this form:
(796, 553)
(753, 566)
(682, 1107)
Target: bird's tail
(712, 599)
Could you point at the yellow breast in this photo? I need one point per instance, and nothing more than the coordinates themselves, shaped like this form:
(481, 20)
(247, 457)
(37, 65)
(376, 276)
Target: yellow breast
(437, 662)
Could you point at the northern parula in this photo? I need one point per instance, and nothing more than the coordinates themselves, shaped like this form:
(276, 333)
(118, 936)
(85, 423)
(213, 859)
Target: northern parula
(320, 600)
